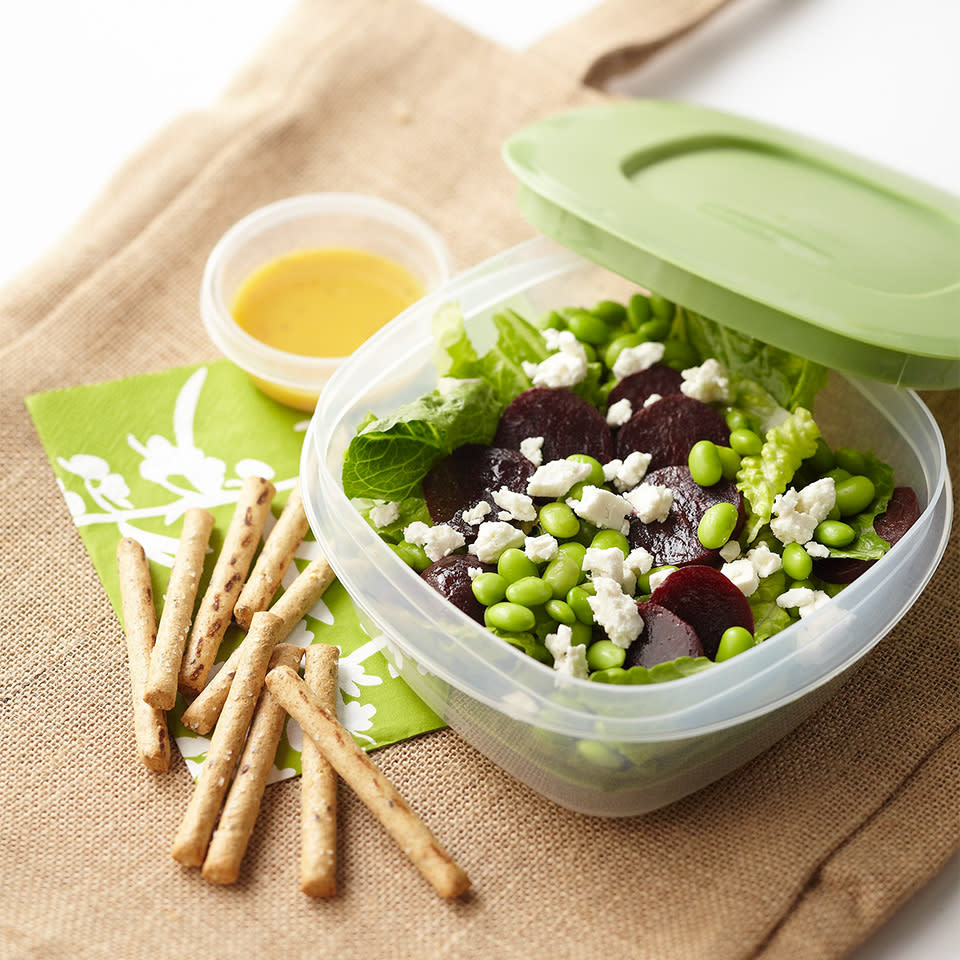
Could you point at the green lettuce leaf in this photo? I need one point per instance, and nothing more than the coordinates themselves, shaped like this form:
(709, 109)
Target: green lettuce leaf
(452, 349)
(869, 545)
(768, 618)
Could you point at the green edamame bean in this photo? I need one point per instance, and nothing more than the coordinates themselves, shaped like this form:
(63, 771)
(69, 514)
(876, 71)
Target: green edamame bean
(561, 611)
(834, 533)
(679, 354)
(605, 654)
(550, 320)
(587, 532)
(733, 640)
(612, 675)
(717, 525)
(797, 563)
(801, 585)
(745, 442)
(581, 634)
(662, 307)
(610, 312)
(561, 573)
(509, 616)
(643, 581)
(489, 588)
(577, 602)
(590, 352)
(834, 513)
(559, 520)
(596, 468)
(655, 329)
(514, 564)
(575, 551)
(736, 419)
(606, 539)
(616, 346)
(599, 754)
(412, 555)
(585, 326)
(704, 463)
(638, 310)
(853, 461)
(854, 495)
(529, 591)
(822, 460)
(574, 493)
(729, 462)
(839, 474)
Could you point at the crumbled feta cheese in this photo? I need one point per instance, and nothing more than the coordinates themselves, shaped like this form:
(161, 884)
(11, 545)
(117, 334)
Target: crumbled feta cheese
(551, 337)
(447, 385)
(730, 551)
(616, 612)
(532, 449)
(708, 382)
(638, 561)
(505, 515)
(474, 572)
(603, 509)
(658, 576)
(493, 537)
(632, 470)
(475, 515)
(383, 514)
(764, 560)
(804, 599)
(542, 548)
(437, 542)
(529, 368)
(518, 506)
(816, 549)
(651, 501)
(796, 515)
(742, 574)
(619, 413)
(566, 368)
(555, 478)
(651, 400)
(599, 562)
(610, 469)
(635, 359)
(567, 657)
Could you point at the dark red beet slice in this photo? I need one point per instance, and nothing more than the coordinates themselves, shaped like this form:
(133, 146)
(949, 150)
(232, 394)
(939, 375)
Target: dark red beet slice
(707, 600)
(470, 474)
(449, 577)
(668, 429)
(901, 514)
(567, 424)
(658, 378)
(665, 637)
(675, 540)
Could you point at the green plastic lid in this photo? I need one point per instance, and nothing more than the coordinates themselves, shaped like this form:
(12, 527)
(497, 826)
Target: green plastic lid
(772, 234)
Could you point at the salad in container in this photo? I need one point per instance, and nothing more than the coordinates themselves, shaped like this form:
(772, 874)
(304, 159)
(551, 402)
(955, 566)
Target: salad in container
(623, 540)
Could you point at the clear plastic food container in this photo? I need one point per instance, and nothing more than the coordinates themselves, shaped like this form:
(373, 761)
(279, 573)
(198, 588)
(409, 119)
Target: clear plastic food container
(598, 748)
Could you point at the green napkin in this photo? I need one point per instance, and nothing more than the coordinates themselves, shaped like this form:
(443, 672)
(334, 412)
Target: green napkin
(130, 456)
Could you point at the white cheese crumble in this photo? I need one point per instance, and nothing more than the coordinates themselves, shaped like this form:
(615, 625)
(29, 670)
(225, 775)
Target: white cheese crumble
(383, 514)
(551, 337)
(566, 368)
(651, 400)
(615, 612)
(730, 551)
(816, 549)
(493, 537)
(635, 359)
(610, 469)
(651, 501)
(632, 470)
(603, 509)
(475, 515)
(599, 562)
(474, 572)
(555, 478)
(742, 574)
(567, 657)
(532, 449)
(804, 599)
(796, 515)
(619, 413)
(437, 542)
(658, 576)
(708, 382)
(517, 505)
(542, 548)
(447, 385)
(764, 560)
(638, 561)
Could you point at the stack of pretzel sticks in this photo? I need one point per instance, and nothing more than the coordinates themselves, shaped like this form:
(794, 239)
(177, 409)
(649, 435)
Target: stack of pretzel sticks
(247, 701)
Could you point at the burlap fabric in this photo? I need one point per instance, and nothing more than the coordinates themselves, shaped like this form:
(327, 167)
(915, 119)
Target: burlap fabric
(801, 854)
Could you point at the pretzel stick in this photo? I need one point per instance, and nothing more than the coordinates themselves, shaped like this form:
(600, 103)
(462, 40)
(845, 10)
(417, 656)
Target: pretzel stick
(229, 842)
(275, 557)
(318, 785)
(140, 627)
(161, 687)
(304, 592)
(216, 608)
(370, 785)
(190, 845)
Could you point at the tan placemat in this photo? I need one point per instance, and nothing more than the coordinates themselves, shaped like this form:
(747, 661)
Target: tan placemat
(800, 854)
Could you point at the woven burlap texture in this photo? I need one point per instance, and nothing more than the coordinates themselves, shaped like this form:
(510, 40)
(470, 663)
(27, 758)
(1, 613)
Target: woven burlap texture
(802, 853)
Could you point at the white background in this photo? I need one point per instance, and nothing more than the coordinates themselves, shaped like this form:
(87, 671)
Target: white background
(82, 85)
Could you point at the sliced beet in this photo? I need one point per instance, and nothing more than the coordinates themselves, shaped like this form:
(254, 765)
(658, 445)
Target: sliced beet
(450, 577)
(665, 637)
(668, 429)
(901, 514)
(658, 378)
(470, 474)
(674, 541)
(567, 424)
(707, 600)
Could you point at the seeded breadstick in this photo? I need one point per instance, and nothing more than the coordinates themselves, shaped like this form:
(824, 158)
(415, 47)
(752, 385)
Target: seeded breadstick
(229, 842)
(190, 845)
(216, 608)
(161, 687)
(275, 557)
(318, 785)
(140, 627)
(370, 785)
(304, 592)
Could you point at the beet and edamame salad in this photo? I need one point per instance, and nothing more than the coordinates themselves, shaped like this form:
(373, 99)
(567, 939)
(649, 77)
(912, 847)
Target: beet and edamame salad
(628, 493)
